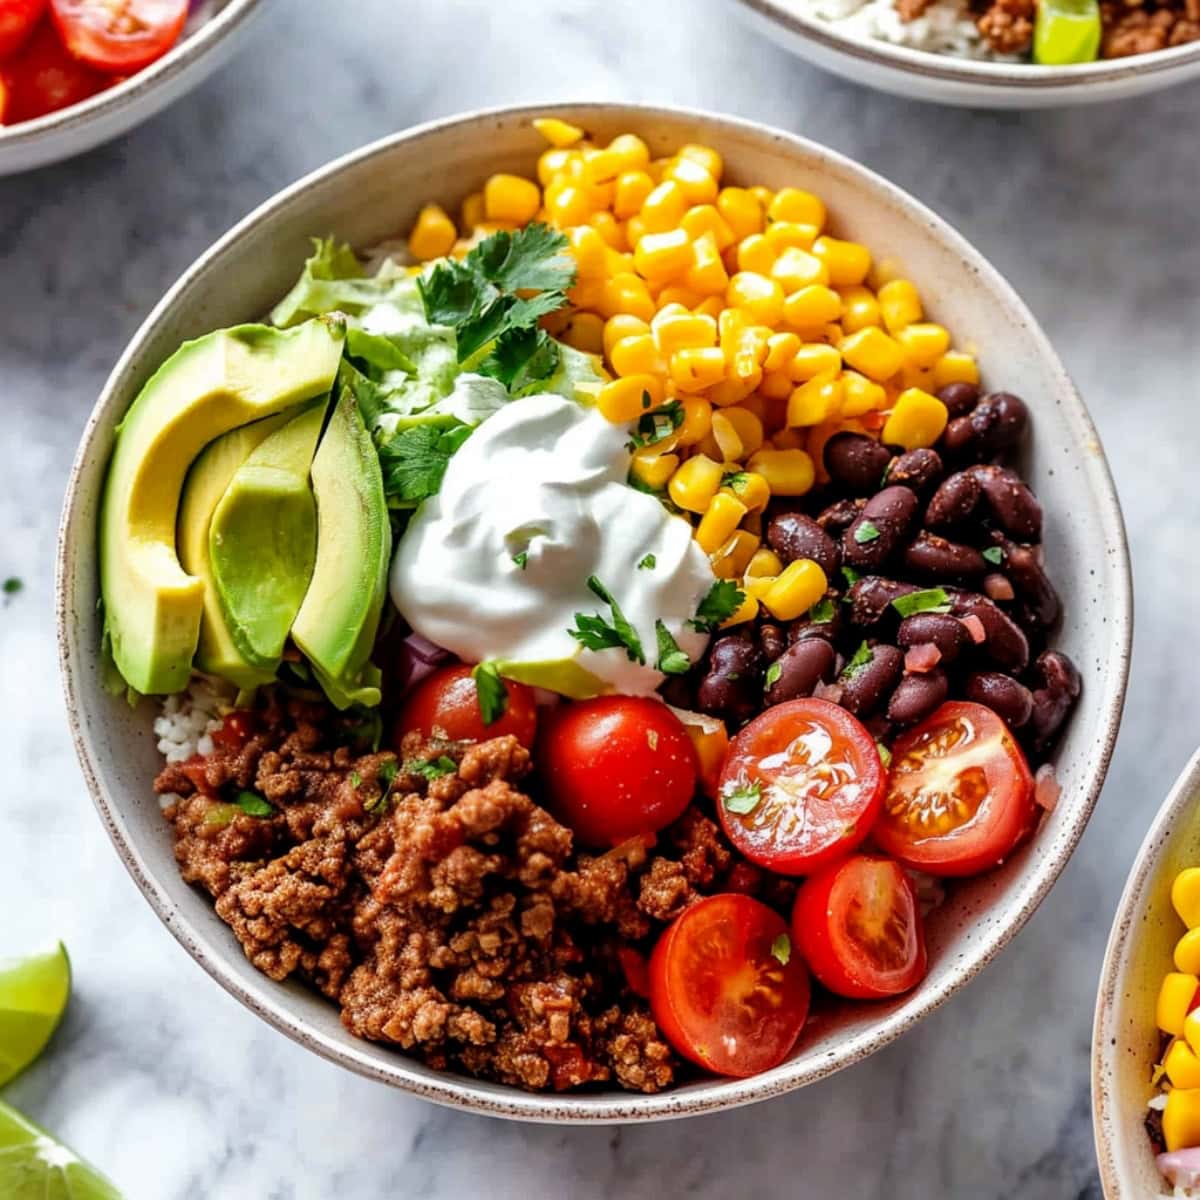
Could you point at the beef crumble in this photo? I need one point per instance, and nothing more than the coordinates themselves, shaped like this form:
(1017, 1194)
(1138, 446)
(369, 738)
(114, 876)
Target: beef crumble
(449, 916)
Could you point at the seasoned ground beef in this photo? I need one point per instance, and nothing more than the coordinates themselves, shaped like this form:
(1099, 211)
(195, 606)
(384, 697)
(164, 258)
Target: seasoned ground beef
(449, 916)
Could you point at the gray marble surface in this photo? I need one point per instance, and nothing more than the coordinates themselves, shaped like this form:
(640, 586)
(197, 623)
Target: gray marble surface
(171, 1086)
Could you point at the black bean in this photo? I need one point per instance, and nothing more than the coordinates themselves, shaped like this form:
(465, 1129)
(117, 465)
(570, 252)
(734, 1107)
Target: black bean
(959, 398)
(856, 462)
(870, 598)
(917, 695)
(880, 529)
(918, 469)
(1004, 641)
(1053, 701)
(792, 535)
(864, 687)
(772, 640)
(941, 561)
(806, 627)
(1000, 421)
(954, 502)
(1023, 566)
(677, 690)
(1013, 506)
(1010, 700)
(732, 686)
(801, 667)
(942, 630)
(837, 517)
(958, 439)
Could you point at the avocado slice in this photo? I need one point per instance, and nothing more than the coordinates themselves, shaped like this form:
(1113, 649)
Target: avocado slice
(229, 378)
(207, 481)
(338, 621)
(562, 675)
(263, 539)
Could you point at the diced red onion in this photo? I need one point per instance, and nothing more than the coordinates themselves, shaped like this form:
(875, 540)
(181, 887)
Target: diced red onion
(1046, 788)
(1181, 1168)
(975, 628)
(922, 658)
(997, 587)
(418, 659)
(829, 691)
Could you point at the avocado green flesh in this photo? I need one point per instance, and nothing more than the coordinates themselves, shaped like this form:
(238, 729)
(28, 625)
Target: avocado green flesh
(207, 482)
(562, 675)
(153, 607)
(339, 618)
(263, 540)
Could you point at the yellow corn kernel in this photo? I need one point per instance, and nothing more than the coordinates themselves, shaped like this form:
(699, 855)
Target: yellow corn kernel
(1181, 1118)
(755, 253)
(678, 296)
(697, 369)
(696, 183)
(706, 274)
(750, 488)
(1185, 896)
(785, 235)
(873, 353)
(622, 325)
(759, 296)
(676, 328)
(695, 483)
(511, 198)
(637, 355)
(731, 391)
(757, 585)
(610, 229)
(741, 211)
(765, 564)
(633, 187)
(799, 586)
(912, 376)
(590, 252)
(632, 152)
(815, 402)
(917, 420)
(1187, 953)
(624, 399)
(711, 306)
(726, 437)
(635, 230)
(1191, 1030)
(558, 133)
(601, 167)
(653, 468)
(730, 560)
(924, 342)
(847, 262)
(472, 211)
(567, 205)
(781, 349)
(776, 385)
(955, 367)
(787, 472)
(746, 611)
(433, 235)
(584, 331)
(793, 204)
(745, 352)
(748, 426)
(664, 207)
(626, 294)
(1174, 999)
(704, 156)
(790, 439)
(763, 195)
(860, 309)
(860, 395)
(1181, 1065)
(832, 334)
(704, 218)
(900, 305)
(815, 359)
(812, 307)
(697, 421)
(560, 165)
(664, 256)
(723, 515)
(795, 269)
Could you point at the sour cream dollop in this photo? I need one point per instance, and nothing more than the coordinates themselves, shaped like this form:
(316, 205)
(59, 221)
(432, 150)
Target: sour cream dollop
(543, 483)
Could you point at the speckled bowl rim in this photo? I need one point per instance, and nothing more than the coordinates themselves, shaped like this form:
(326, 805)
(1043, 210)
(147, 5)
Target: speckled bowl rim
(995, 75)
(1135, 899)
(717, 1094)
(133, 90)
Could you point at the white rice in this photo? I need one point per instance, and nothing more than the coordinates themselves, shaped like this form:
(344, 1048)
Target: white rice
(189, 719)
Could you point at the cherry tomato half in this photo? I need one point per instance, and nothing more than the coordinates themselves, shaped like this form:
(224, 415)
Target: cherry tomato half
(859, 927)
(802, 785)
(616, 767)
(726, 987)
(960, 795)
(17, 21)
(446, 705)
(236, 730)
(119, 36)
(42, 78)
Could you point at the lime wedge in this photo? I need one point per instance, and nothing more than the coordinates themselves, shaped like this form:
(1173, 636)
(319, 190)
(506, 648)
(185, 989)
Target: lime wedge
(1065, 32)
(33, 995)
(34, 1166)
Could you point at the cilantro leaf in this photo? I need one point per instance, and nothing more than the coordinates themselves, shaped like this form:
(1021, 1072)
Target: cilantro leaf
(742, 800)
(531, 258)
(885, 755)
(659, 494)
(822, 612)
(597, 634)
(658, 424)
(925, 600)
(387, 773)
(867, 531)
(414, 461)
(253, 805)
(490, 691)
(994, 555)
(521, 559)
(355, 780)
(862, 656)
(781, 949)
(671, 659)
(772, 676)
(434, 769)
(851, 576)
(647, 563)
(594, 632)
(720, 602)
(12, 585)
(521, 358)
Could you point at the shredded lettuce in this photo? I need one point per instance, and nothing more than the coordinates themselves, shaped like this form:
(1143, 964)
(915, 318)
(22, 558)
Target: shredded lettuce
(333, 280)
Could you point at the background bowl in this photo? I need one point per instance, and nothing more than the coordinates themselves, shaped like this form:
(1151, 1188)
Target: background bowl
(211, 36)
(968, 83)
(1125, 1039)
(376, 192)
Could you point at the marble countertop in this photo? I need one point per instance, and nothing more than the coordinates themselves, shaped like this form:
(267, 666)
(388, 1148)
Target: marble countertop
(178, 1092)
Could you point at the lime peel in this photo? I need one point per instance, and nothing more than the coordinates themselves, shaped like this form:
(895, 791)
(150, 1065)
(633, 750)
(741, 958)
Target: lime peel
(33, 997)
(34, 1165)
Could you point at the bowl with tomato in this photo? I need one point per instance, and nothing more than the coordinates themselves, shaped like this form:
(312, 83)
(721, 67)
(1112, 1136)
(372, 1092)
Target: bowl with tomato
(75, 73)
(748, 871)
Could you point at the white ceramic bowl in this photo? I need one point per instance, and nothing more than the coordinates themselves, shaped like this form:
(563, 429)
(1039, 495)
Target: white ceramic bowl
(1125, 1040)
(206, 44)
(376, 192)
(944, 79)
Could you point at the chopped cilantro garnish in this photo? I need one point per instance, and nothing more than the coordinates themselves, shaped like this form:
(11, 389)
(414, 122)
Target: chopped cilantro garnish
(253, 805)
(415, 460)
(659, 495)
(434, 769)
(720, 602)
(648, 563)
(355, 780)
(926, 600)
(743, 800)
(12, 585)
(596, 633)
(735, 481)
(885, 755)
(867, 531)
(490, 691)
(821, 613)
(862, 656)
(772, 676)
(387, 772)
(671, 659)
(521, 559)
(657, 425)
(851, 576)
(994, 555)
(521, 357)
(781, 949)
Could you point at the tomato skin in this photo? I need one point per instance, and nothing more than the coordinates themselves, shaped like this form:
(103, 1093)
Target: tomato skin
(719, 995)
(18, 19)
(236, 730)
(43, 77)
(616, 767)
(120, 41)
(839, 914)
(446, 704)
(821, 786)
(975, 739)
